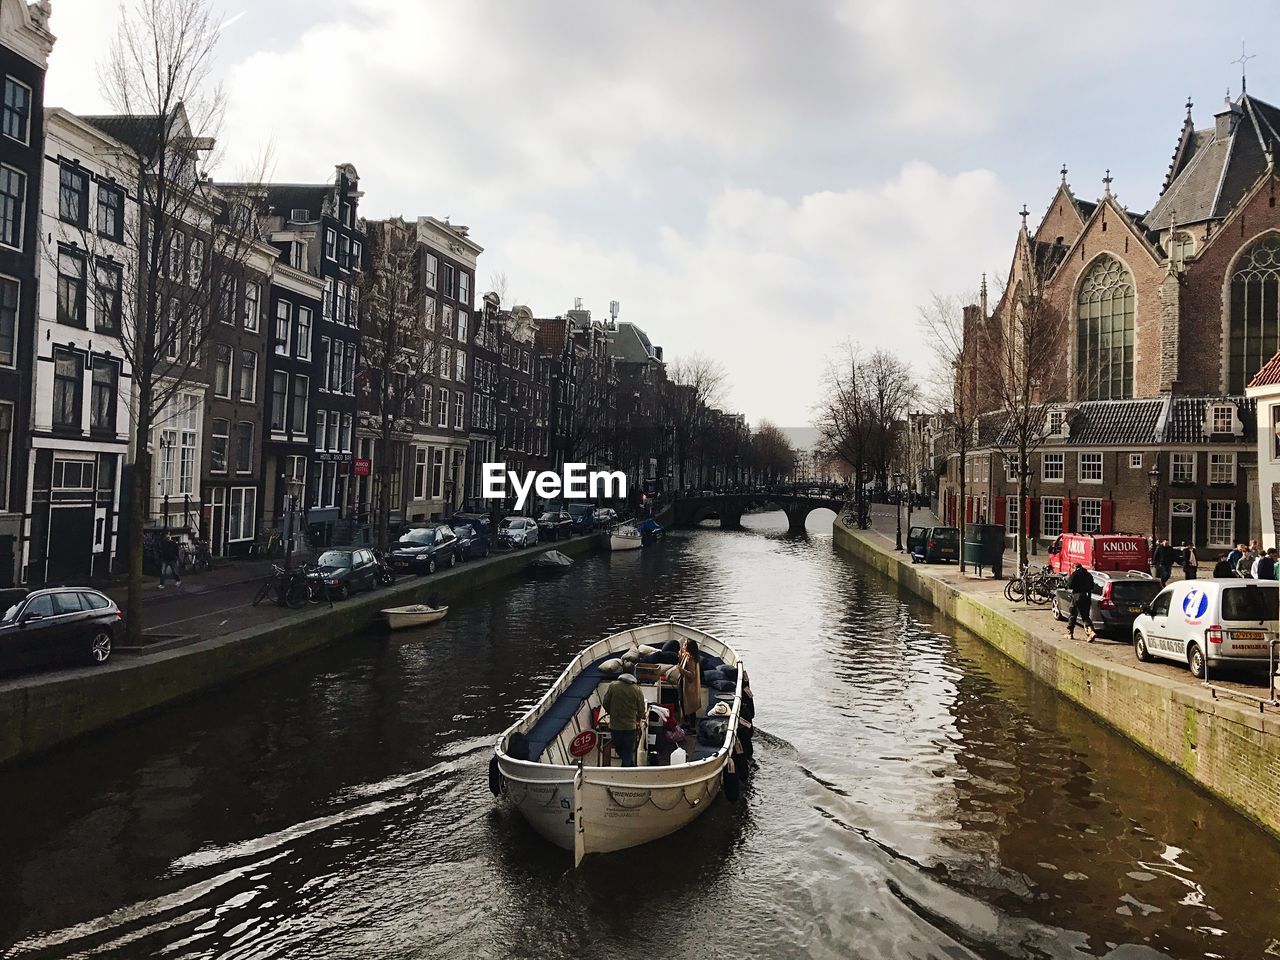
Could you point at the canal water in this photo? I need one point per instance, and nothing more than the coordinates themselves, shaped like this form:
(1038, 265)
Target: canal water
(917, 797)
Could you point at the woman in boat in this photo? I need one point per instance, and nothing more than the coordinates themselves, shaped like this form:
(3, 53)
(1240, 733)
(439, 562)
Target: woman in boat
(690, 682)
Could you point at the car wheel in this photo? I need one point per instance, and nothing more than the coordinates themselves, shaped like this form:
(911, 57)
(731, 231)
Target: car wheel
(453, 559)
(431, 564)
(343, 591)
(100, 646)
(1140, 647)
(1057, 611)
(1196, 661)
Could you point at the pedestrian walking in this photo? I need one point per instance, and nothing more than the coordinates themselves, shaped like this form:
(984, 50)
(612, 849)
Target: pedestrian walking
(1233, 558)
(1245, 565)
(1162, 560)
(1265, 567)
(1080, 585)
(1190, 562)
(169, 555)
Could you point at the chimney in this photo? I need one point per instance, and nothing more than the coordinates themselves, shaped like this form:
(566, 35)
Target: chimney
(1227, 119)
(657, 352)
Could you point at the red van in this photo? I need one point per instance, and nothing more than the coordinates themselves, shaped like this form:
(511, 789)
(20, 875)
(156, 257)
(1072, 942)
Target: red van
(1099, 551)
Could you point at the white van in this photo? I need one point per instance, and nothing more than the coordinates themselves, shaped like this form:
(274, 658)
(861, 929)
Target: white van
(1210, 623)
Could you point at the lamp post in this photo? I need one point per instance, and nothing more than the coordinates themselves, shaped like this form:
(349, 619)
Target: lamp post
(1153, 494)
(897, 510)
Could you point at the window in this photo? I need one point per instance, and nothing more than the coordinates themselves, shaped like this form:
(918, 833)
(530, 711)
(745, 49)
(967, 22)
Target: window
(344, 438)
(73, 196)
(1135, 461)
(16, 123)
(321, 420)
(1222, 468)
(252, 293)
(432, 265)
(331, 434)
(1183, 247)
(248, 376)
(448, 282)
(67, 371)
(1011, 470)
(459, 401)
(219, 444)
(354, 308)
(301, 389)
(1090, 514)
(1090, 468)
(1104, 332)
(242, 510)
(464, 289)
(284, 318)
(1011, 514)
(70, 288)
(1222, 418)
(1222, 523)
(8, 319)
(340, 313)
(106, 385)
(279, 400)
(1182, 468)
(13, 202)
(335, 367)
(462, 326)
(226, 300)
(524, 361)
(330, 243)
(429, 313)
(460, 367)
(446, 363)
(1052, 467)
(195, 261)
(1275, 413)
(111, 212)
(349, 369)
(437, 473)
(243, 447)
(107, 301)
(420, 472)
(1056, 418)
(177, 258)
(6, 442)
(1253, 331)
(344, 251)
(304, 333)
(222, 363)
(443, 409)
(426, 403)
(1050, 517)
(72, 474)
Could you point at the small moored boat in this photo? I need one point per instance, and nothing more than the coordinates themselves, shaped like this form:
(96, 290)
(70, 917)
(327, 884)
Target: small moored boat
(413, 615)
(625, 537)
(551, 562)
(556, 768)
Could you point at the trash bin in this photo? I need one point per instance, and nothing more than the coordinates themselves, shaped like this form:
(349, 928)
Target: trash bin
(984, 547)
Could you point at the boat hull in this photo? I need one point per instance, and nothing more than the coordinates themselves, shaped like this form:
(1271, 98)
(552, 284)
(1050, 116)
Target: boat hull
(619, 542)
(403, 619)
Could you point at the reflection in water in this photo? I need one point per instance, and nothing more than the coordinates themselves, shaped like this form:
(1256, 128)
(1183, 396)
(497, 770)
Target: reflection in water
(917, 796)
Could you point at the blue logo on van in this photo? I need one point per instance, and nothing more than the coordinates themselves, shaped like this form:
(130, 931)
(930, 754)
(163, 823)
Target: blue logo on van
(1195, 604)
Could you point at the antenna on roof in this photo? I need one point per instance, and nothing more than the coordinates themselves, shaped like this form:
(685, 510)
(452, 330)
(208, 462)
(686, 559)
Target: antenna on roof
(1243, 60)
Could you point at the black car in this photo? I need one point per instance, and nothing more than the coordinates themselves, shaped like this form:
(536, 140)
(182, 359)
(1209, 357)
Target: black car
(584, 517)
(554, 524)
(934, 544)
(343, 572)
(1118, 598)
(425, 548)
(62, 625)
(473, 539)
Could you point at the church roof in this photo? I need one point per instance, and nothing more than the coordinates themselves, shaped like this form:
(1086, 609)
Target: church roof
(1212, 170)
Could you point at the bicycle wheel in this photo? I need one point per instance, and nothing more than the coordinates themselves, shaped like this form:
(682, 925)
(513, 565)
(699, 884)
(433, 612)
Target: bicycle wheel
(264, 591)
(295, 594)
(1013, 590)
(1040, 592)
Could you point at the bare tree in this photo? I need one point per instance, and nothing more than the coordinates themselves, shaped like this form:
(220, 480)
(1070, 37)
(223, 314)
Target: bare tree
(771, 453)
(192, 241)
(695, 384)
(398, 354)
(889, 390)
(842, 417)
(1021, 349)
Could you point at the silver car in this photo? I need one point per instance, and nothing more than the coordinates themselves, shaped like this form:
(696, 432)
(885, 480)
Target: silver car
(518, 532)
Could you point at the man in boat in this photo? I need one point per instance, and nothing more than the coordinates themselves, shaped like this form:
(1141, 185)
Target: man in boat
(624, 703)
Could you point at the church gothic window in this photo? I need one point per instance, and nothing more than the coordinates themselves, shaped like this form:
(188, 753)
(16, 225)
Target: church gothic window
(1104, 332)
(1255, 311)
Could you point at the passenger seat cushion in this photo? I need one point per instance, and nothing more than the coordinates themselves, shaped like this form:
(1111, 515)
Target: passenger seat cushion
(613, 666)
(645, 649)
(723, 686)
(662, 656)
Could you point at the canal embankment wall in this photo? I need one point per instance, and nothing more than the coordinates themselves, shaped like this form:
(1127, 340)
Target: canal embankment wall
(1229, 747)
(41, 711)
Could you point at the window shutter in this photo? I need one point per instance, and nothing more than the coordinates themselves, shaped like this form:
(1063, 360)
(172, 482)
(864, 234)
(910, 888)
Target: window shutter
(1242, 522)
(1066, 516)
(1202, 523)
(968, 509)
(1108, 514)
(998, 515)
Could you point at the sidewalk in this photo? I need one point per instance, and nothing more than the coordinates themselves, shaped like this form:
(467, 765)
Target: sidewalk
(226, 573)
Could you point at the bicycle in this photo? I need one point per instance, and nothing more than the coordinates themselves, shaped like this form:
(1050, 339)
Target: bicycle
(269, 544)
(292, 588)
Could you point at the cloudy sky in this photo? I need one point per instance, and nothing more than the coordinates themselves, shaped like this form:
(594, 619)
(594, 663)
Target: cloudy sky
(758, 181)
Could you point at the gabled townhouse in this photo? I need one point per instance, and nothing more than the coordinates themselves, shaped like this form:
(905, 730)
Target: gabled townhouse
(80, 425)
(25, 45)
(482, 427)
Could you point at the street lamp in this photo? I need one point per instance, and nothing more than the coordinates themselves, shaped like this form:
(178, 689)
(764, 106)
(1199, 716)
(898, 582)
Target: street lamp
(1153, 494)
(897, 511)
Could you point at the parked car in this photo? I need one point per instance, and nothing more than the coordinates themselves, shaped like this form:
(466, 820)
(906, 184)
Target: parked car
(473, 538)
(63, 625)
(343, 572)
(424, 548)
(1209, 624)
(1118, 599)
(517, 532)
(554, 524)
(605, 516)
(1099, 551)
(934, 544)
(584, 517)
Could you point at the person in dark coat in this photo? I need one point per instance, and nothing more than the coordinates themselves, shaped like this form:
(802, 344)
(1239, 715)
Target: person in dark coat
(1190, 563)
(1162, 560)
(169, 555)
(1224, 567)
(1080, 586)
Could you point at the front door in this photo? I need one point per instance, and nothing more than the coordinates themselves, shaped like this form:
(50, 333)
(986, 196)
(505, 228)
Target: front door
(1182, 522)
(70, 545)
(217, 522)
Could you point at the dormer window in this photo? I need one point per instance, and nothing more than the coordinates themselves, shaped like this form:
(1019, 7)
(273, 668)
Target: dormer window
(1222, 418)
(1183, 248)
(1056, 419)
(299, 215)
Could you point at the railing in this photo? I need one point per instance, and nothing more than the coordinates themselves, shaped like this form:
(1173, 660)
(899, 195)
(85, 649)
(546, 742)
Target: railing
(1272, 698)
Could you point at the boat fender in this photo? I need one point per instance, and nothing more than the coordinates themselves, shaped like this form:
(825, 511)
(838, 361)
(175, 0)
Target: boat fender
(744, 742)
(748, 709)
(495, 777)
(732, 788)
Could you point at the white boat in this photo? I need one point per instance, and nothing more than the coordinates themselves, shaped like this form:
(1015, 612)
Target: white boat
(625, 537)
(414, 615)
(582, 806)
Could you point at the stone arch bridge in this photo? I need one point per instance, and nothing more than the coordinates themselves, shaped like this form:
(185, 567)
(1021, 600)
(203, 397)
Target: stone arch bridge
(728, 508)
